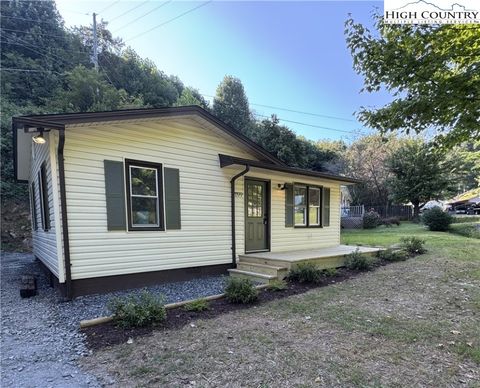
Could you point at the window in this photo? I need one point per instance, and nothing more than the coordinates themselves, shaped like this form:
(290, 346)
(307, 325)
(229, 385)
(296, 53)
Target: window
(254, 200)
(300, 205)
(314, 206)
(33, 206)
(307, 206)
(144, 195)
(44, 201)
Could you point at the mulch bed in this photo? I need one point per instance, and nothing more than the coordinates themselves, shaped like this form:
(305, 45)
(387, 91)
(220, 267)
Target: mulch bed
(108, 334)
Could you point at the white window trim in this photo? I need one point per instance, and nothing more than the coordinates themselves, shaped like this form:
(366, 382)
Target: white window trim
(157, 207)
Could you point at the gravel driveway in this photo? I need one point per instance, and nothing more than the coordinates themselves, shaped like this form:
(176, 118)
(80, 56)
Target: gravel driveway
(40, 339)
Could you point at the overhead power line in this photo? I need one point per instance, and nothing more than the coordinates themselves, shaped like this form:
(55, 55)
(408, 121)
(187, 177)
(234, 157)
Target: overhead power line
(170, 20)
(108, 6)
(142, 16)
(310, 125)
(128, 11)
(294, 111)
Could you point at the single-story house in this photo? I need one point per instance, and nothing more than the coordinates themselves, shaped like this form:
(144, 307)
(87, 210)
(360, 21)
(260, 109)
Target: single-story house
(132, 197)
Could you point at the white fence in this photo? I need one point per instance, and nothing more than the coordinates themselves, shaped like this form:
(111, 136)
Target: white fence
(353, 211)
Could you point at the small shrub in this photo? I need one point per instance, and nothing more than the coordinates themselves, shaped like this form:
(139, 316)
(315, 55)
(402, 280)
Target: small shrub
(393, 255)
(144, 309)
(329, 272)
(357, 261)
(277, 285)
(436, 219)
(197, 305)
(413, 245)
(305, 273)
(371, 220)
(390, 221)
(240, 290)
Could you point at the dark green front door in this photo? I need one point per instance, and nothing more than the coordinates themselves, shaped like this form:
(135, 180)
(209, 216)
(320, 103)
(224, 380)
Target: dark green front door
(257, 216)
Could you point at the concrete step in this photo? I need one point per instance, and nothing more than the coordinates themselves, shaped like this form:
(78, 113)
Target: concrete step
(254, 276)
(262, 268)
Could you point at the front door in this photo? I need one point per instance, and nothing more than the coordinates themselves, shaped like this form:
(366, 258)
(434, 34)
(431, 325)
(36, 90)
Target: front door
(257, 215)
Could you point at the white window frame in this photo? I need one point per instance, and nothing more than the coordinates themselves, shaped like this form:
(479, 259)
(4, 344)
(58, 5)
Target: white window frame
(156, 197)
(305, 207)
(316, 207)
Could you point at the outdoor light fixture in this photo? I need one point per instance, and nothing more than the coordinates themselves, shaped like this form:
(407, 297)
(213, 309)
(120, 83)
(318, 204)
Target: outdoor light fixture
(281, 187)
(39, 139)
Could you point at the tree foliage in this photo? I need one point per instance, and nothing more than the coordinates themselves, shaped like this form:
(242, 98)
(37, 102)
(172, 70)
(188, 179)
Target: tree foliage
(231, 104)
(433, 73)
(420, 174)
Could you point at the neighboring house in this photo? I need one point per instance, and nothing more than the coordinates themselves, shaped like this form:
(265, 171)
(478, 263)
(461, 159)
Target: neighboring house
(346, 197)
(128, 198)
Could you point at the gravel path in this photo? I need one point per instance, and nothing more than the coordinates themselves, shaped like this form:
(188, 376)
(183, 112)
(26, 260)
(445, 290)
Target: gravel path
(40, 342)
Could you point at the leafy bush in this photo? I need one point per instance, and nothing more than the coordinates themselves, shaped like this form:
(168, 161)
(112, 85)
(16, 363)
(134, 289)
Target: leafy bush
(436, 219)
(357, 261)
(305, 273)
(138, 310)
(196, 305)
(413, 245)
(329, 272)
(371, 220)
(277, 285)
(390, 221)
(467, 230)
(240, 290)
(393, 255)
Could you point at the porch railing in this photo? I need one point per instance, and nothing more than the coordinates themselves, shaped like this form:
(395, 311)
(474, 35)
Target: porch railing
(352, 211)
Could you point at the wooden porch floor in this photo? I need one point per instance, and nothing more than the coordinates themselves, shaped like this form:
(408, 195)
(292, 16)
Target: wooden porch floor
(309, 254)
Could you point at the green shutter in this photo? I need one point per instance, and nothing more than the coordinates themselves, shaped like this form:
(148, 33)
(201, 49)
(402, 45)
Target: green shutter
(172, 198)
(115, 195)
(326, 207)
(289, 205)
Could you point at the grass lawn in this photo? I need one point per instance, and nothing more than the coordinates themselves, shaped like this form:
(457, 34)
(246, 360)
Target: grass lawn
(412, 323)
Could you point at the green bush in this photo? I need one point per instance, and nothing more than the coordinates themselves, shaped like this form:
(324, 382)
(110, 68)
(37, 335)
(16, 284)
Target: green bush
(196, 305)
(358, 261)
(436, 219)
(329, 272)
(239, 290)
(371, 220)
(413, 245)
(390, 221)
(393, 255)
(139, 310)
(305, 273)
(277, 285)
(467, 230)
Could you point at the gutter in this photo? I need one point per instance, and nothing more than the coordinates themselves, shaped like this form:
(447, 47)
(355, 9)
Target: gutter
(63, 204)
(232, 188)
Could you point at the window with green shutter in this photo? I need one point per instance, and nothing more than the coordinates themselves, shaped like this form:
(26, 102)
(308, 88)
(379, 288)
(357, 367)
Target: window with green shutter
(326, 207)
(303, 205)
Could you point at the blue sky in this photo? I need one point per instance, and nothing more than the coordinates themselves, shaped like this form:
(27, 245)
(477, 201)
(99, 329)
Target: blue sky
(288, 54)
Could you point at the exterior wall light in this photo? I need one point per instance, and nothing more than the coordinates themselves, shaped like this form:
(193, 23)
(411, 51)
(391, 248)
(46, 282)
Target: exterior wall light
(39, 139)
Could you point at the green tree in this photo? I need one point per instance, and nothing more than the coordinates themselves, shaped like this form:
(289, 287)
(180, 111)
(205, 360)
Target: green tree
(432, 72)
(191, 96)
(420, 174)
(231, 104)
(87, 91)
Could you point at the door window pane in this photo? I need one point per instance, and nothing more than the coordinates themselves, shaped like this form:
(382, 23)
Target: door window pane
(254, 200)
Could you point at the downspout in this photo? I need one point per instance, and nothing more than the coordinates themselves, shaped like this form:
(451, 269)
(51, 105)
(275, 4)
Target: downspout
(232, 188)
(63, 204)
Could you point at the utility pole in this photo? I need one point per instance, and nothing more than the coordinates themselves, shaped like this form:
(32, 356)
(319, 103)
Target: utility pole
(95, 43)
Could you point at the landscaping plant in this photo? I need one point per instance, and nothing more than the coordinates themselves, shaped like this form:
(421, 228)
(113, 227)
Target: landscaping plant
(144, 309)
(357, 261)
(277, 285)
(239, 290)
(371, 220)
(197, 305)
(393, 255)
(413, 245)
(305, 273)
(329, 272)
(436, 219)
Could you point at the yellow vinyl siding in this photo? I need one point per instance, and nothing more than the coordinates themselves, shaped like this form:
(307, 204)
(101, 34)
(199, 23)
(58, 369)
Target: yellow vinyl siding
(205, 235)
(44, 242)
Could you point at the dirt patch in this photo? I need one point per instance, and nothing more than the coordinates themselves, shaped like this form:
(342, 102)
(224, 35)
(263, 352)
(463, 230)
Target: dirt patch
(108, 334)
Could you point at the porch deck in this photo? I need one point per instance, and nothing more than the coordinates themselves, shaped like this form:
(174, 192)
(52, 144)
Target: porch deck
(267, 266)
